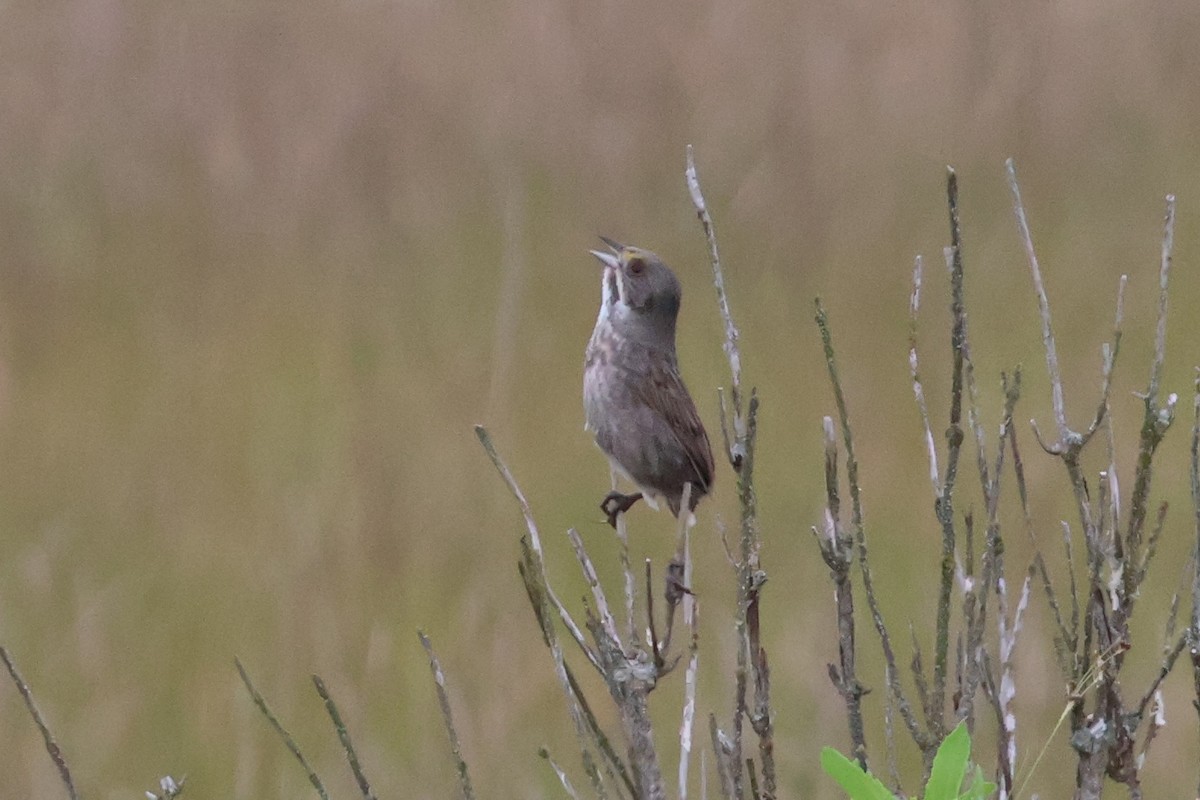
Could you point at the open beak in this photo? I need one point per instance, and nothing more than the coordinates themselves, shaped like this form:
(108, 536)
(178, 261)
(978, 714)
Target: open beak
(612, 286)
(609, 260)
(614, 246)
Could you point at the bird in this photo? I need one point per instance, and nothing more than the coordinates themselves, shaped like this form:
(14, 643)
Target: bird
(635, 402)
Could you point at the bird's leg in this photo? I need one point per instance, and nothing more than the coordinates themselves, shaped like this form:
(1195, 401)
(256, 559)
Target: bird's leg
(675, 590)
(616, 503)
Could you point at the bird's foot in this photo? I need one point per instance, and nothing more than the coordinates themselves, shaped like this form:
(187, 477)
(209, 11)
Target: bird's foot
(616, 503)
(676, 588)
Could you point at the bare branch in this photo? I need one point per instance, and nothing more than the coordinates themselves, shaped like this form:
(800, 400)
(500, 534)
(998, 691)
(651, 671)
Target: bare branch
(751, 657)
(485, 439)
(914, 307)
(722, 751)
(689, 696)
(1109, 360)
(288, 741)
(732, 351)
(894, 685)
(587, 730)
(439, 682)
(568, 787)
(1157, 419)
(535, 541)
(56, 755)
(1164, 274)
(1060, 414)
(837, 550)
(954, 439)
(1194, 626)
(344, 737)
(593, 581)
(622, 531)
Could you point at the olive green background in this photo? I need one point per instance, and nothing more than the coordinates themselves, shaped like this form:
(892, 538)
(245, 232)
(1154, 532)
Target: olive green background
(263, 265)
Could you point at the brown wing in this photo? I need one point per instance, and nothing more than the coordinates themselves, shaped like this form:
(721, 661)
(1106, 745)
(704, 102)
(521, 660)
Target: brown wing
(667, 397)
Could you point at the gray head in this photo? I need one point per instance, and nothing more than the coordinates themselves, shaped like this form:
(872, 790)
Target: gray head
(640, 294)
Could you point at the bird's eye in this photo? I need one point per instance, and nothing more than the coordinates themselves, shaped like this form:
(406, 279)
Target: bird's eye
(637, 266)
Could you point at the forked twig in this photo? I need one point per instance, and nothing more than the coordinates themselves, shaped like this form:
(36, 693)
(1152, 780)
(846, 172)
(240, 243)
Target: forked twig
(541, 596)
(1067, 438)
(859, 534)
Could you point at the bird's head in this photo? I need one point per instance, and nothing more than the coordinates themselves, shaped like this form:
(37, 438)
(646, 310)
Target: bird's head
(639, 286)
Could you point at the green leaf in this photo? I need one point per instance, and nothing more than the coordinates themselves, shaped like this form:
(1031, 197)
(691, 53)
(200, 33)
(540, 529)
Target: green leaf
(949, 765)
(979, 789)
(850, 776)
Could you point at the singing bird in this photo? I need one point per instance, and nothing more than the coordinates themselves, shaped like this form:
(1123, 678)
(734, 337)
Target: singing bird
(636, 404)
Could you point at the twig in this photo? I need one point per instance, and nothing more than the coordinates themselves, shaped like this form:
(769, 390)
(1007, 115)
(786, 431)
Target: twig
(1069, 551)
(1065, 639)
(562, 776)
(751, 579)
(894, 686)
(914, 307)
(732, 351)
(683, 556)
(722, 751)
(754, 793)
(1164, 669)
(593, 581)
(1194, 626)
(751, 657)
(689, 699)
(1007, 691)
(535, 541)
(1068, 440)
(288, 741)
(993, 554)
(1158, 721)
(1157, 419)
(954, 439)
(837, 550)
(1143, 564)
(537, 586)
(1056, 390)
(630, 679)
(889, 735)
(485, 439)
(1164, 273)
(344, 737)
(439, 682)
(56, 754)
(586, 728)
(655, 649)
(917, 666)
(622, 531)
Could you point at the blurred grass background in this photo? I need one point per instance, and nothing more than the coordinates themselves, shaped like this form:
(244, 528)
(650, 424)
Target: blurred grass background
(264, 264)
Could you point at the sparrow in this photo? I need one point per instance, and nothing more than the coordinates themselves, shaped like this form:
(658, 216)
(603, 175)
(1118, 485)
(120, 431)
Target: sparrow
(634, 399)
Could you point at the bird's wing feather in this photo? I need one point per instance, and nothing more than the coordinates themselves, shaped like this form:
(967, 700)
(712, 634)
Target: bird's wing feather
(666, 396)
